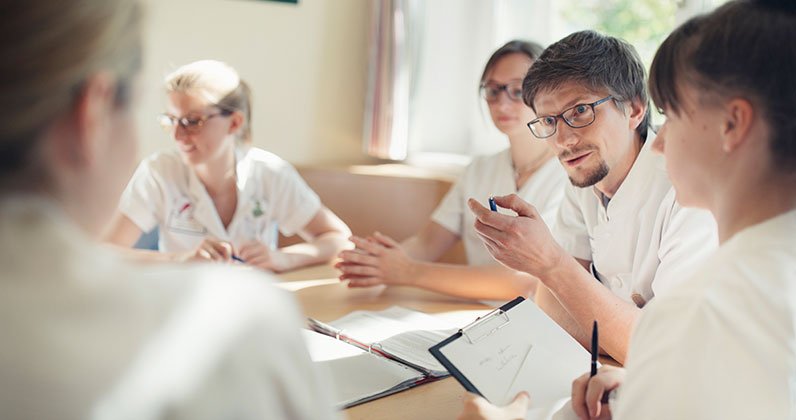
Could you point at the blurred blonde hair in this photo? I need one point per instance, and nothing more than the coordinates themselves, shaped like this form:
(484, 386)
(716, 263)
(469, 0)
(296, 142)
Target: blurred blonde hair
(219, 85)
(49, 49)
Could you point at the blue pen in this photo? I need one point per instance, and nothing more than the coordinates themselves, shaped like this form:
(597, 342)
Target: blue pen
(238, 259)
(492, 205)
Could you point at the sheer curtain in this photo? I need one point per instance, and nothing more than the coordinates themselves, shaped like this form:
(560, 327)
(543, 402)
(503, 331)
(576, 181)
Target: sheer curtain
(425, 62)
(395, 33)
(426, 59)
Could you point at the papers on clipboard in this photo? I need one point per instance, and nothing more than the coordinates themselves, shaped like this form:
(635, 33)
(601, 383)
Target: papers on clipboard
(514, 348)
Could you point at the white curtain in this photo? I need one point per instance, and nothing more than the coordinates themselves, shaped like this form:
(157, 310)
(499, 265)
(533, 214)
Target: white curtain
(394, 39)
(425, 61)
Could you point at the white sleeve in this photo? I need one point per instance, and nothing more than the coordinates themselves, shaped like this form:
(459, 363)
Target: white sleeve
(660, 375)
(689, 361)
(227, 349)
(450, 211)
(267, 375)
(570, 228)
(295, 203)
(688, 237)
(142, 200)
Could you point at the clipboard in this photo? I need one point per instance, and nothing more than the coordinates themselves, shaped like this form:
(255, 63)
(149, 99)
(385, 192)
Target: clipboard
(516, 347)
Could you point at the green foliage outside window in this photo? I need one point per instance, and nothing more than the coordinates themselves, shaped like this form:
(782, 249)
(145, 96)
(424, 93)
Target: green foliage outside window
(642, 23)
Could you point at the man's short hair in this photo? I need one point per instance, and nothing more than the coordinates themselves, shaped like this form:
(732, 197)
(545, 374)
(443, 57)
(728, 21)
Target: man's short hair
(596, 61)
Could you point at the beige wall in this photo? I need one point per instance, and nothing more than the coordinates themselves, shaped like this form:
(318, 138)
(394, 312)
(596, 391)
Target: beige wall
(306, 64)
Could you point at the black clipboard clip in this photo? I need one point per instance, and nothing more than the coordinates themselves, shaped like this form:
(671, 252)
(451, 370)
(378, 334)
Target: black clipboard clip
(482, 327)
(485, 326)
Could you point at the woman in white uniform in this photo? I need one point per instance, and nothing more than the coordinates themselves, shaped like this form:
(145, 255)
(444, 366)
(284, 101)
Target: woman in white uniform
(527, 167)
(722, 344)
(216, 197)
(87, 335)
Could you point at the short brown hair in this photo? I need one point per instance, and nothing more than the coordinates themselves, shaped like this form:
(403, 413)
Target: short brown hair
(597, 62)
(744, 48)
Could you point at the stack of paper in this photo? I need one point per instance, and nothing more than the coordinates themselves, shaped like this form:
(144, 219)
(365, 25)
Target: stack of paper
(357, 376)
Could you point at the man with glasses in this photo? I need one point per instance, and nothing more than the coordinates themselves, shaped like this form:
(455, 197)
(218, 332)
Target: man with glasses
(619, 222)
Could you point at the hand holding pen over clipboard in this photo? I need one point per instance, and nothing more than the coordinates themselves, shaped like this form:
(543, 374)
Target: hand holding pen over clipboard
(514, 348)
(592, 391)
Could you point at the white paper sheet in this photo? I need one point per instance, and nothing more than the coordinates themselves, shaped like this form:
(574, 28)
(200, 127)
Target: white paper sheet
(356, 375)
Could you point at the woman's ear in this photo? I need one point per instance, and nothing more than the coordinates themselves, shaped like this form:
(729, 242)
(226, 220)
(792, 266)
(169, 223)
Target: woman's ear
(93, 107)
(737, 122)
(236, 122)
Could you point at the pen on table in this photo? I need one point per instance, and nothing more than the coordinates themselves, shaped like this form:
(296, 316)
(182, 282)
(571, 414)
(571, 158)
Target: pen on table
(595, 349)
(492, 205)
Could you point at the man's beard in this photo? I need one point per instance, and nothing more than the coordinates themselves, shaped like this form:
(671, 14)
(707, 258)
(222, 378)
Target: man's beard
(594, 176)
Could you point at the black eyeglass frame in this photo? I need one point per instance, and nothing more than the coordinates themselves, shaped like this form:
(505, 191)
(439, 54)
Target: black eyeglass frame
(192, 125)
(500, 87)
(566, 121)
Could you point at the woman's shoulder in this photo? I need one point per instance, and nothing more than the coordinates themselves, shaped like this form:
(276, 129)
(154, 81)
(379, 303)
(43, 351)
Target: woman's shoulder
(163, 161)
(263, 160)
(487, 161)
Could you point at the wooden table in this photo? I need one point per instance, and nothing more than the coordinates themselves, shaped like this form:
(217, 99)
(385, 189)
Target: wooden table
(324, 297)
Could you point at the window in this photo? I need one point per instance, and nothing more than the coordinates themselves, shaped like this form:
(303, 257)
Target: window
(452, 39)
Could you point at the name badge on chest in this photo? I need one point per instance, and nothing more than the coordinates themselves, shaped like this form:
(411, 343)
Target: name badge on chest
(181, 219)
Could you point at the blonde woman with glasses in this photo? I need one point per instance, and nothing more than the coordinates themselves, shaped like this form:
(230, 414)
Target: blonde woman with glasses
(216, 197)
(85, 333)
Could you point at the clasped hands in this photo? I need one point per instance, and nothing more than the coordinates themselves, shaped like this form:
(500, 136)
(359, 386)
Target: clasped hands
(377, 259)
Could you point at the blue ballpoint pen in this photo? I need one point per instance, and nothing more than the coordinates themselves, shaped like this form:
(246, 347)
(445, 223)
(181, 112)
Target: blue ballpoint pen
(492, 205)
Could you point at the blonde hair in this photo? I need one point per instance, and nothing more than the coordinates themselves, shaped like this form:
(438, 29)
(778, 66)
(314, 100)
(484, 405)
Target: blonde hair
(218, 84)
(51, 47)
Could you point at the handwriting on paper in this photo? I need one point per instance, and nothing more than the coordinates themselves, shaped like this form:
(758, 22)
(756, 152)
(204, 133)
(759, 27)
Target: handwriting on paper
(500, 359)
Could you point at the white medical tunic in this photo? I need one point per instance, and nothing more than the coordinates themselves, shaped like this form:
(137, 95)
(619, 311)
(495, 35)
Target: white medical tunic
(643, 241)
(272, 197)
(86, 335)
(723, 344)
(493, 175)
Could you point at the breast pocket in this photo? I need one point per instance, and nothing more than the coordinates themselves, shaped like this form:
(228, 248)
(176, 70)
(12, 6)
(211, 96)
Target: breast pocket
(181, 233)
(184, 224)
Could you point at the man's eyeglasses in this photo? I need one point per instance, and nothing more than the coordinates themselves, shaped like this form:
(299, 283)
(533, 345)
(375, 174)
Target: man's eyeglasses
(491, 91)
(578, 116)
(192, 125)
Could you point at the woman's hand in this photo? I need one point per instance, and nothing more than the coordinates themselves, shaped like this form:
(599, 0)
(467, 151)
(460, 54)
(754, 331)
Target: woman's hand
(210, 250)
(589, 393)
(262, 256)
(376, 260)
(478, 408)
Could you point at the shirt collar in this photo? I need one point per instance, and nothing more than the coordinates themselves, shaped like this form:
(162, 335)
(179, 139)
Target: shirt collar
(636, 180)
